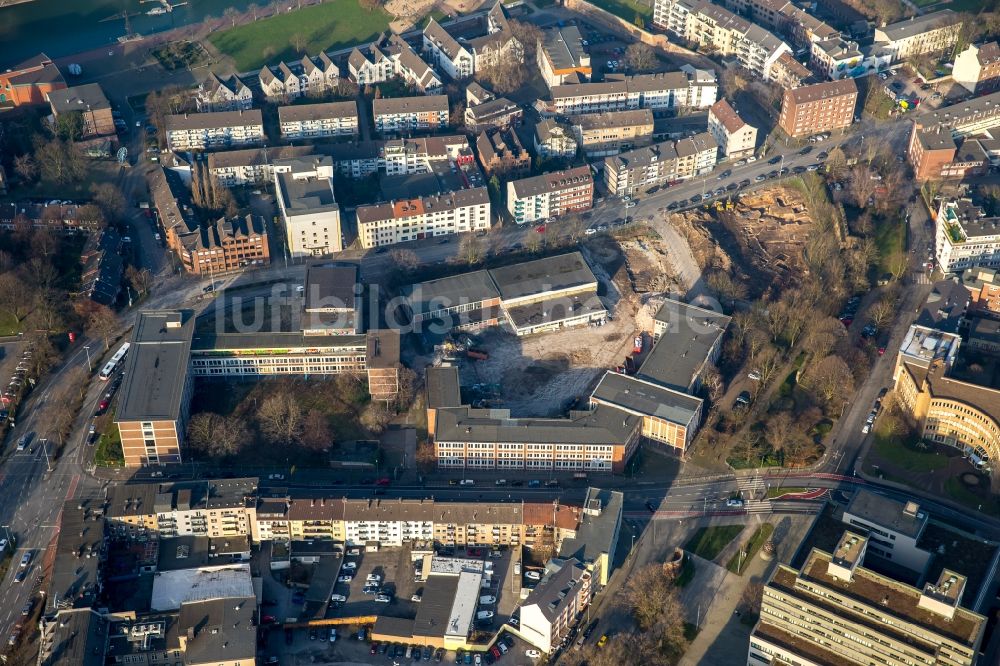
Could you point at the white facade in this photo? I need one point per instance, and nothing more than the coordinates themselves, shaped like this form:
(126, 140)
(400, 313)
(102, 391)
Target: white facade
(204, 131)
(965, 238)
(391, 533)
(400, 221)
(915, 36)
(318, 120)
(671, 91)
(735, 137)
(308, 207)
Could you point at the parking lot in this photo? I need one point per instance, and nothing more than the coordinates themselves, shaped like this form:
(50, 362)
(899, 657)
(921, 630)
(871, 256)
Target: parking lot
(394, 569)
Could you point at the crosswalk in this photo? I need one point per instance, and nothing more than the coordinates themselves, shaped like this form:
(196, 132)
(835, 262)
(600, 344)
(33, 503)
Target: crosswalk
(923, 279)
(752, 486)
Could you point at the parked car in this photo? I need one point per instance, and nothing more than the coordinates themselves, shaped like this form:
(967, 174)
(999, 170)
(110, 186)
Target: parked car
(383, 598)
(532, 654)
(484, 615)
(345, 579)
(734, 503)
(532, 575)
(338, 598)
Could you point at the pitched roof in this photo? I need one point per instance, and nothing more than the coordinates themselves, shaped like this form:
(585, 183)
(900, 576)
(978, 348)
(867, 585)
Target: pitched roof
(444, 41)
(727, 116)
(551, 182)
(916, 25)
(307, 112)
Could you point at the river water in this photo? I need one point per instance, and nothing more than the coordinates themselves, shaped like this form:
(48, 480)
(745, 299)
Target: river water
(62, 27)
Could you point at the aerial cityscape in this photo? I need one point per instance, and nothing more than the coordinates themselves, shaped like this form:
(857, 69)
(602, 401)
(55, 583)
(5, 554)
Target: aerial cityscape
(527, 332)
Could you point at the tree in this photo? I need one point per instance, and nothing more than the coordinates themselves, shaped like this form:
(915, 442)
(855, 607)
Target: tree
(426, 458)
(298, 41)
(711, 380)
(505, 74)
(316, 432)
(140, 279)
(726, 286)
(781, 428)
(751, 598)
(15, 296)
(650, 595)
(110, 200)
(882, 311)
(376, 416)
(527, 35)
(253, 8)
(44, 243)
(70, 126)
(821, 335)
(640, 57)
(766, 363)
(350, 387)
(25, 167)
(102, 323)
(280, 418)
(232, 14)
(836, 163)
(59, 161)
(215, 435)
(828, 378)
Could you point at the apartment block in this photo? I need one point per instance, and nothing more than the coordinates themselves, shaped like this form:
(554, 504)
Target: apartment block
(550, 195)
(312, 121)
(461, 59)
(949, 142)
(552, 608)
(391, 57)
(502, 155)
(562, 56)
(308, 207)
(217, 94)
(214, 130)
(304, 78)
(817, 108)
(893, 528)
(835, 611)
(735, 137)
(397, 115)
(660, 163)
(499, 113)
(787, 72)
(553, 140)
(928, 33)
(714, 27)
(446, 52)
(250, 166)
(155, 398)
(965, 236)
(424, 217)
(90, 103)
(977, 68)
(664, 92)
(603, 134)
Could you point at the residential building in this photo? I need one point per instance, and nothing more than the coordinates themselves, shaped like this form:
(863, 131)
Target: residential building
(672, 15)
(30, 82)
(217, 632)
(983, 286)
(57, 218)
(787, 72)
(965, 236)
(90, 103)
(553, 140)
(502, 155)
(562, 56)
(215, 248)
(977, 68)
(785, 17)
(390, 57)
(141, 639)
(550, 195)
(499, 113)
(309, 209)
(423, 217)
(664, 92)
(552, 608)
(307, 77)
(595, 543)
(734, 136)
(949, 142)
(73, 636)
(462, 59)
(219, 129)
(836, 57)
(399, 115)
(818, 108)
(834, 610)
(312, 121)
(715, 28)
(446, 52)
(217, 94)
(75, 578)
(101, 275)
(371, 65)
(661, 163)
(893, 528)
(154, 402)
(927, 33)
(948, 409)
(603, 134)
(477, 94)
(251, 166)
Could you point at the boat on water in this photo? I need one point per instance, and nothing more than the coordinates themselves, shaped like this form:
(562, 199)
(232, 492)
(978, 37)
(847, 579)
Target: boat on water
(157, 11)
(134, 37)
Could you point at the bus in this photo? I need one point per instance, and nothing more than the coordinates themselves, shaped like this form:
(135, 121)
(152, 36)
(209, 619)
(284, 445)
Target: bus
(116, 360)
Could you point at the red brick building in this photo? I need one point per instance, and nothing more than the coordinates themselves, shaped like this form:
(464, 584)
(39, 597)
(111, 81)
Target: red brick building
(818, 108)
(30, 82)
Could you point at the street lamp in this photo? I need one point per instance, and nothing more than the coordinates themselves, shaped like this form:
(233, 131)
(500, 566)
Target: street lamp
(86, 348)
(45, 450)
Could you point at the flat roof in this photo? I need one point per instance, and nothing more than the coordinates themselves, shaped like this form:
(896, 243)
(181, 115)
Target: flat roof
(464, 603)
(289, 343)
(563, 271)
(415, 104)
(684, 345)
(156, 367)
(223, 630)
(465, 288)
(442, 386)
(434, 612)
(556, 309)
(608, 119)
(307, 112)
(888, 513)
(331, 285)
(642, 397)
(79, 546)
(171, 589)
(601, 426)
(597, 533)
(564, 47)
(303, 196)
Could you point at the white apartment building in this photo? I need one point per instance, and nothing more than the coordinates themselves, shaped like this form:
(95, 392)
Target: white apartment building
(965, 237)
(219, 129)
(446, 52)
(660, 163)
(413, 219)
(215, 94)
(311, 121)
(687, 89)
(309, 209)
(917, 35)
(381, 61)
(672, 15)
(735, 137)
(401, 157)
(554, 140)
(551, 609)
(550, 195)
(461, 59)
(309, 76)
(396, 115)
(562, 56)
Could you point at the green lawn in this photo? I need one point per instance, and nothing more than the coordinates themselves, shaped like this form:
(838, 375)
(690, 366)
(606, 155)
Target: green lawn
(8, 325)
(708, 542)
(326, 27)
(626, 9)
(109, 449)
(890, 237)
(957, 491)
(905, 455)
(760, 536)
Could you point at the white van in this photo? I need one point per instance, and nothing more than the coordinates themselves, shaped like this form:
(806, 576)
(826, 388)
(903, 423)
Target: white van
(487, 600)
(484, 615)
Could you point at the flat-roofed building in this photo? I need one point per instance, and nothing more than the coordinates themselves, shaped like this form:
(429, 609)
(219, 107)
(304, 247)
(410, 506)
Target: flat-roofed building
(680, 91)
(314, 121)
(945, 144)
(596, 539)
(660, 163)
(424, 217)
(218, 632)
(928, 33)
(835, 611)
(817, 108)
(562, 56)
(468, 301)
(735, 137)
(965, 236)
(977, 68)
(154, 402)
(550, 195)
(603, 134)
(399, 115)
(893, 528)
(76, 570)
(309, 208)
(218, 129)
(251, 166)
(687, 339)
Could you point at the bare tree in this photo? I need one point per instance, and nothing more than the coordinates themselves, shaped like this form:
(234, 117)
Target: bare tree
(640, 57)
(528, 35)
(781, 428)
(140, 279)
(61, 420)
(26, 167)
(298, 41)
(766, 363)
(376, 417)
(215, 435)
(711, 379)
(231, 13)
(280, 418)
(882, 311)
(253, 8)
(504, 74)
(102, 323)
(426, 458)
(470, 249)
(15, 296)
(650, 595)
(316, 432)
(726, 286)
(110, 200)
(821, 335)
(405, 260)
(44, 243)
(828, 379)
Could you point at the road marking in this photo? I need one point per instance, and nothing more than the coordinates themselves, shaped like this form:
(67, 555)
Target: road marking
(72, 486)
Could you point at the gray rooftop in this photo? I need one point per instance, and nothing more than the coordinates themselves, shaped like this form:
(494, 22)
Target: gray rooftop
(564, 47)
(603, 425)
(609, 119)
(888, 513)
(306, 195)
(88, 97)
(331, 286)
(306, 112)
(156, 367)
(916, 25)
(75, 570)
(563, 271)
(74, 636)
(677, 358)
(213, 340)
(642, 397)
(435, 606)
(598, 530)
(446, 292)
(552, 310)
(556, 589)
(219, 630)
(475, 196)
(416, 104)
(213, 120)
(442, 387)
(552, 182)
